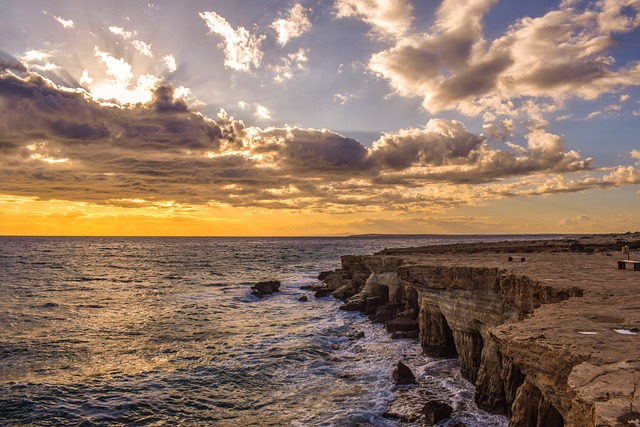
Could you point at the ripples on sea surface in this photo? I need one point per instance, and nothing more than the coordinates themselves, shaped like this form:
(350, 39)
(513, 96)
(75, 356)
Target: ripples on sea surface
(164, 331)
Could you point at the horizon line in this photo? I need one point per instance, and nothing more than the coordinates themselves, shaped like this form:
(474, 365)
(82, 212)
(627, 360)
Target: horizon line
(359, 235)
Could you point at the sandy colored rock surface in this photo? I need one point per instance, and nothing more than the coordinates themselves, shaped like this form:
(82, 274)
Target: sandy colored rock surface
(597, 336)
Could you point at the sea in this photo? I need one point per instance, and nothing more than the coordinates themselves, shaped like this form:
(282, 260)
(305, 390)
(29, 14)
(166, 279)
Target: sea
(155, 331)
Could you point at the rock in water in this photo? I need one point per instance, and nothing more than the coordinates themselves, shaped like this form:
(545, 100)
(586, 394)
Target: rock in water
(356, 336)
(323, 275)
(403, 375)
(262, 289)
(436, 411)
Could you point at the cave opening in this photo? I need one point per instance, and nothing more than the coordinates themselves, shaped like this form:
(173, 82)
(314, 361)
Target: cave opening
(436, 336)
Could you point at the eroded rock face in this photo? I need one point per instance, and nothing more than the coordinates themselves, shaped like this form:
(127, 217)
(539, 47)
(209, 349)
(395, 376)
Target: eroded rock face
(531, 409)
(454, 311)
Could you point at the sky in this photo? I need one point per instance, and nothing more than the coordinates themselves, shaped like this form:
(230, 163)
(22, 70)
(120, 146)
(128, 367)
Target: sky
(319, 117)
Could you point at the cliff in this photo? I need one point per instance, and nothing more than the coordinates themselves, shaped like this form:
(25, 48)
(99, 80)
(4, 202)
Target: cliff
(551, 341)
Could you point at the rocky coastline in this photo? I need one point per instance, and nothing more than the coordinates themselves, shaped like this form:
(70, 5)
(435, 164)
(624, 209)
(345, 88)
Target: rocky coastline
(547, 331)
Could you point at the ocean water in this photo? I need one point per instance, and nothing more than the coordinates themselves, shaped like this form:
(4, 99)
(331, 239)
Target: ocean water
(164, 331)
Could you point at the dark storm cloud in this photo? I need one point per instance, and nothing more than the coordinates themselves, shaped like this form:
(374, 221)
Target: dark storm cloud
(311, 150)
(11, 65)
(79, 131)
(164, 101)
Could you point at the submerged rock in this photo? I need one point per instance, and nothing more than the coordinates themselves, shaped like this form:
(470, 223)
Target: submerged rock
(262, 289)
(403, 375)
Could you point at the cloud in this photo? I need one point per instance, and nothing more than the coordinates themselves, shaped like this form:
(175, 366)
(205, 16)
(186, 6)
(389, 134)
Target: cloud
(501, 131)
(38, 60)
(59, 143)
(578, 221)
(263, 112)
(85, 79)
(122, 86)
(289, 65)
(66, 23)
(387, 17)
(342, 98)
(165, 101)
(563, 54)
(36, 56)
(294, 25)
(8, 62)
(444, 151)
(121, 32)
(142, 47)
(170, 62)
(241, 48)
(12, 65)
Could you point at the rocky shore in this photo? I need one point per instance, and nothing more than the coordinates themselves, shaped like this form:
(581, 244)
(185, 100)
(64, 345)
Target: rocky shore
(548, 331)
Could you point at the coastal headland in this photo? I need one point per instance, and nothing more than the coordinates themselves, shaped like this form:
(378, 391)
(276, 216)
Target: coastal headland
(548, 331)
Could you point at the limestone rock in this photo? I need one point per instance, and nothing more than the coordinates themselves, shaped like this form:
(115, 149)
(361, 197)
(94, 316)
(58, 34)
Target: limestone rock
(262, 289)
(323, 275)
(355, 303)
(436, 411)
(538, 339)
(345, 291)
(401, 325)
(382, 314)
(412, 335)
(322, 292)
(356, 336)
(403, 375)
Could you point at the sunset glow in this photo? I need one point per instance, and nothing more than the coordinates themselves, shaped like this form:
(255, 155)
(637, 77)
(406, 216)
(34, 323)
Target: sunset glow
(319, 118)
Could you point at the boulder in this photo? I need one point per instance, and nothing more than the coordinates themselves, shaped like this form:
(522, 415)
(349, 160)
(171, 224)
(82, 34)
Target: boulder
(303, 298)
(382, 314)
(355, 303)
(409, 313)
(403, 375)
(344, 292)
(401, 324)
(262, 289)
(323, 275)
(322, 292)
(356, 336)
(436, 411)
(414, 335)
(372, 304)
